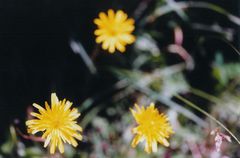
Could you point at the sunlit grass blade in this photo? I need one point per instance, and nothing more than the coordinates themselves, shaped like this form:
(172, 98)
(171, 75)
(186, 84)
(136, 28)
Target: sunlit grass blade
(207, 114)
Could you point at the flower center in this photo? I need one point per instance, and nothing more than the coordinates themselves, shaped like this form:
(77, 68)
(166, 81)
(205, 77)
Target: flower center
(56, 123)
(113, 30)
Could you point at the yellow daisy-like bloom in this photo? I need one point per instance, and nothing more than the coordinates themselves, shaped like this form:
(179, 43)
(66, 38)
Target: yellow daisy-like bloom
(114, 30)
(152, 127)
(57, 123)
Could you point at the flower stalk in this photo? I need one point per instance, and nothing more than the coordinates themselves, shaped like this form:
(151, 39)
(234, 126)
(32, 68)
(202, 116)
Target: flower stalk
(187, 102)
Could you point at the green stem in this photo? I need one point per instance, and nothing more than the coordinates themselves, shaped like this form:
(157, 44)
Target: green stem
(95, 52)
(207, 114)
(204, 95)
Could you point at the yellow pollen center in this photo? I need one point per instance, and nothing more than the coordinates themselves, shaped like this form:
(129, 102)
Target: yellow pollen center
(113, 30)
(112, 33)
(56, 123)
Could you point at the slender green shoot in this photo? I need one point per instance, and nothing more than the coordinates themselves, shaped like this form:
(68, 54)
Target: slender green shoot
(204, 95)
(207, 114)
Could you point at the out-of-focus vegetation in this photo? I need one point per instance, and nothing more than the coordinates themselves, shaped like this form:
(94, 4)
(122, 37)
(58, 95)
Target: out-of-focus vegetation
(176, 52)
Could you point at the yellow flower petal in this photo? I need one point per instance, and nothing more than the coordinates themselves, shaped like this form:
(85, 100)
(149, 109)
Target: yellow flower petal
(60, 146)
(136, 140)
(111, 14)
(57, 124)
(54, 99)
(103, 17)
(114, 30)
(153, 127)
(38, 107)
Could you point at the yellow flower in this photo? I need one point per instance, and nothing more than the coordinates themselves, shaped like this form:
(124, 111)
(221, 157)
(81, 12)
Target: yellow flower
(152, 127)
(114, 30)
(57, 123)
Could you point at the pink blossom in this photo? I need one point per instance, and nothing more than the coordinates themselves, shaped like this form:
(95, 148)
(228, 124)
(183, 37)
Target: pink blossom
(219, 138)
